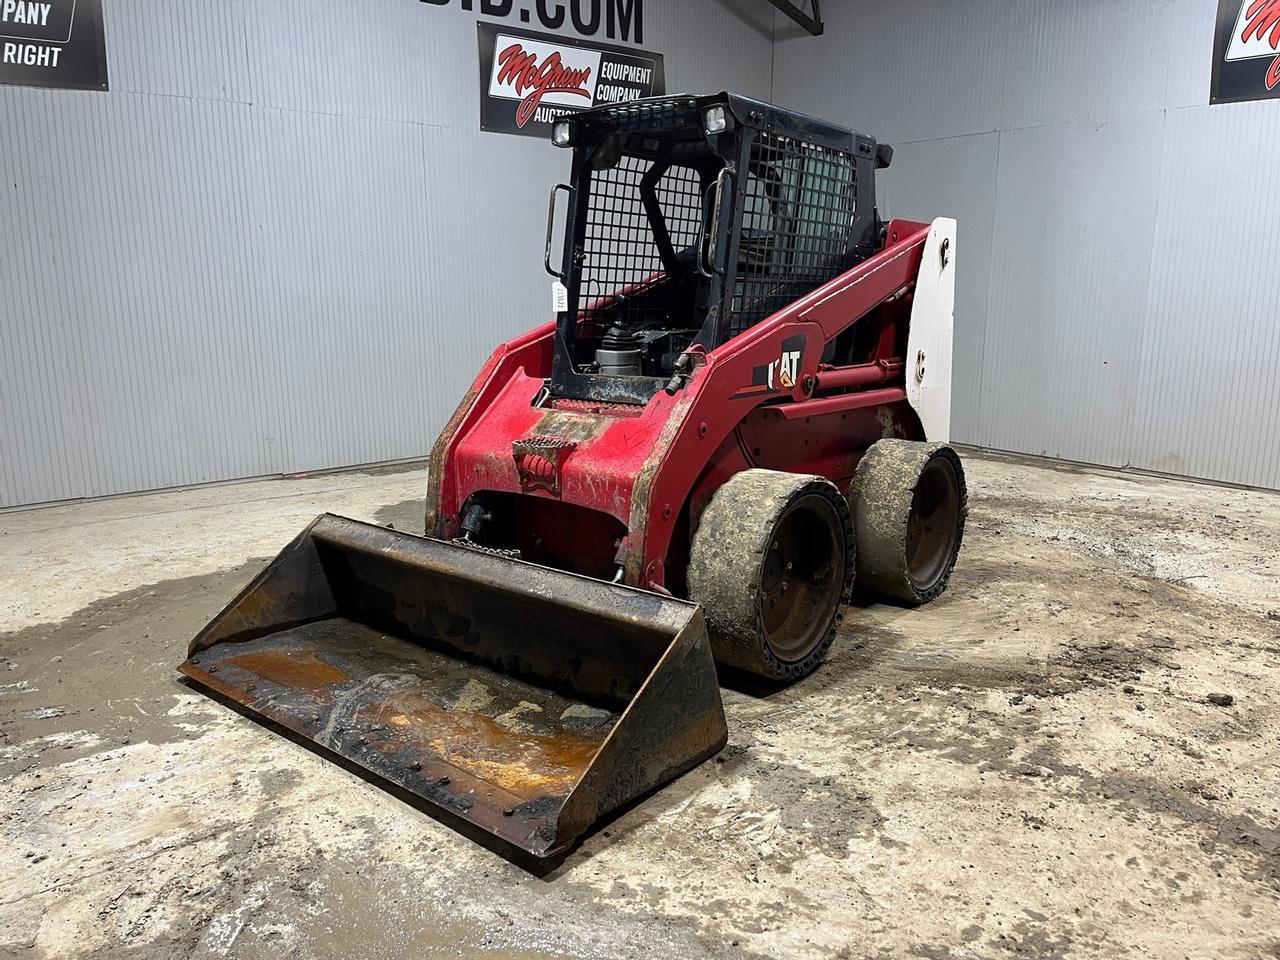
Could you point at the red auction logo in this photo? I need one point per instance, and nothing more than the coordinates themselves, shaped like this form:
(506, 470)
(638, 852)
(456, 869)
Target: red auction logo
(522, 71)
(1261, 16)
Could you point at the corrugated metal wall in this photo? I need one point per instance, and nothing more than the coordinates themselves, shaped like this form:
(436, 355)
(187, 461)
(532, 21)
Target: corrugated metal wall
(1118, 289)
(280, 242)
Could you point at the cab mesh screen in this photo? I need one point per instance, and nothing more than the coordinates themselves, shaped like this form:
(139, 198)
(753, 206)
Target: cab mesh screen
(619, 241)
(797, 226)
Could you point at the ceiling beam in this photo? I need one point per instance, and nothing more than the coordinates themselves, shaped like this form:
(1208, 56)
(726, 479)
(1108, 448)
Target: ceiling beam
(795, 10)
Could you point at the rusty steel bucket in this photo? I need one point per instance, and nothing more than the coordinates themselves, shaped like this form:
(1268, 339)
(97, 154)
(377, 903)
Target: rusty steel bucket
(526, 701)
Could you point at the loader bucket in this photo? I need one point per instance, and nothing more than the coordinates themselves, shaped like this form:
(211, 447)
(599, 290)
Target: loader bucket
(526, 701)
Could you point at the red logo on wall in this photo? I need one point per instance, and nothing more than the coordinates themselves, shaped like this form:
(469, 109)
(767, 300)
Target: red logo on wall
(1247, 51)
(521, 71)
(529, 80)
(1260, 36)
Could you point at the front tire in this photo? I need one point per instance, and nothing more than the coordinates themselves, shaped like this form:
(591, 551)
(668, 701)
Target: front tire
(771, 562)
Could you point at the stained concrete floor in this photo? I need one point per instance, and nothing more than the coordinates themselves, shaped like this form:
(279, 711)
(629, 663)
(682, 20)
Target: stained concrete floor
(1029, 767)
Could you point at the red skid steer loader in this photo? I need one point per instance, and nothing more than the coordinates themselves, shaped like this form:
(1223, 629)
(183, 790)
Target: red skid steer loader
(738, 417)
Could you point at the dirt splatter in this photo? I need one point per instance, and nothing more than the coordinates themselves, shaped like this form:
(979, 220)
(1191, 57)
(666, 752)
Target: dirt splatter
(104, 675)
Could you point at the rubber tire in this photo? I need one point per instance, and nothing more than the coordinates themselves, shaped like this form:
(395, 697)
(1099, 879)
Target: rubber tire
(883, 491)
(726, 566)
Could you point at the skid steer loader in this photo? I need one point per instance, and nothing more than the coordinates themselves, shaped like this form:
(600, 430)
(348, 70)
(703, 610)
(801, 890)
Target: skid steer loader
(737, 418)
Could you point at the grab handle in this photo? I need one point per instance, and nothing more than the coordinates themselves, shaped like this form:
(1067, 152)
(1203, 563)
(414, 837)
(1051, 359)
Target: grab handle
(551, 223)
(708, 254)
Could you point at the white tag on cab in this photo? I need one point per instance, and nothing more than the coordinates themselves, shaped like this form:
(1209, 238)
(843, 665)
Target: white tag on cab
(559, 296)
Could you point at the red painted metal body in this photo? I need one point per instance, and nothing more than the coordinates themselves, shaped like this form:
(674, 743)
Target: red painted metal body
(593, 486)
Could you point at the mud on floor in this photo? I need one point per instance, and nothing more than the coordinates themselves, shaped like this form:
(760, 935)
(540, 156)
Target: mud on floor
(1029, 767)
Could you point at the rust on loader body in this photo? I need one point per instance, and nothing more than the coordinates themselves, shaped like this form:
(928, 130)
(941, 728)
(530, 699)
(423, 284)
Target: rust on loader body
(527, 701)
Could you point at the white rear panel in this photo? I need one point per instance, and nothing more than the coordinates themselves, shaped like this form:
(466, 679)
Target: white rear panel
(929, 340)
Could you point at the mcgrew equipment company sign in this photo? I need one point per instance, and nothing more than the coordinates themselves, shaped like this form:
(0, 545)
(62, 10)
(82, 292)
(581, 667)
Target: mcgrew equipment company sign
(529, 80)
(56, 43)
(1246, 51)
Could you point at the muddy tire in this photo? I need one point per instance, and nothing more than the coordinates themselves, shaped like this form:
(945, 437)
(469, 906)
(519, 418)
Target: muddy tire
(909, 507)
(771, 562)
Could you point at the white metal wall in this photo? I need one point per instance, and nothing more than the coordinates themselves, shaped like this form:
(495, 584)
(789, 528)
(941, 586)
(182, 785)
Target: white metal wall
(1118, 288)
(280, 242)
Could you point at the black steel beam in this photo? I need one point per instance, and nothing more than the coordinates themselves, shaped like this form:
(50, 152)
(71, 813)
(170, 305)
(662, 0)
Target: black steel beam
(811, 22)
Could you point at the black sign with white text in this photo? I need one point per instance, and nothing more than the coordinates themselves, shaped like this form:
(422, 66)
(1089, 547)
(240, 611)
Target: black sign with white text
(529, 80)
(53, 43)
(1246, 51)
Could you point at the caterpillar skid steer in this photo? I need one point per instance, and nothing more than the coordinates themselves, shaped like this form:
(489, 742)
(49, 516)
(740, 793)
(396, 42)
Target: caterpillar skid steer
(737, 418)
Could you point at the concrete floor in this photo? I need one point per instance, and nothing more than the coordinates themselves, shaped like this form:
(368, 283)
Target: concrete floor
(1026, 768)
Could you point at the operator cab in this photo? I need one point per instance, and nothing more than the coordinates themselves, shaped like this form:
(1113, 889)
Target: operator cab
(689, 220)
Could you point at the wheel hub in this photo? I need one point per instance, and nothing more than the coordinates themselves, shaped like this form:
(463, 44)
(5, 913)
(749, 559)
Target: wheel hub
(800, 584)
(933, 525)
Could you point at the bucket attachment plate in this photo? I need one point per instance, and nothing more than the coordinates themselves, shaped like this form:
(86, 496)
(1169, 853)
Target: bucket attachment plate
(527, 701)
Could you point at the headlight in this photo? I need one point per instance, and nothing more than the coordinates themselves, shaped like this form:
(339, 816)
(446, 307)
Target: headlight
(715, 120)
(561, 135)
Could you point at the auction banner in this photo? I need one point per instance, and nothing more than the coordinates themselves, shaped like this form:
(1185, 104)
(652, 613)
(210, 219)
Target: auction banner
(529, 80)
(55, 43)
(1246, 51)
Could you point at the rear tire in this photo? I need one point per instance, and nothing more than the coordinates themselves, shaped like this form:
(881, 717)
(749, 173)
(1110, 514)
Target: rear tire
(771, 562)
(909, 506)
